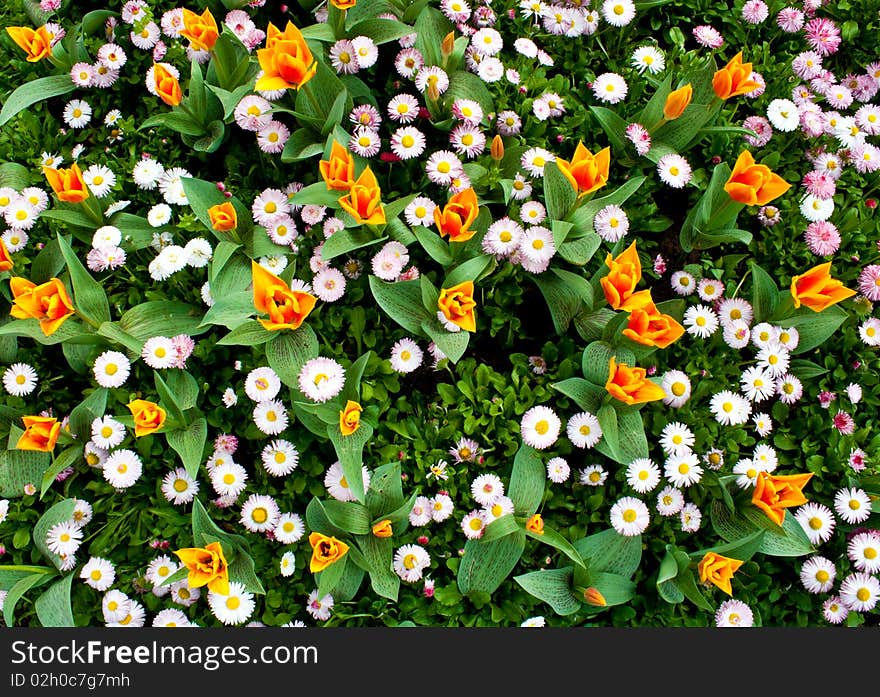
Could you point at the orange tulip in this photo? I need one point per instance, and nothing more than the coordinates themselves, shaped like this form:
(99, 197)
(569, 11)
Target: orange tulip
(338, 171)
(817, 290)
(649, 327)
(287, 61)
(734, 79)
(754, 184)
(6, 262)
(774, 493)
(677, 101)
(457, 306)
(592, 596)
(40, 433)
(167, 85)
(48, 302)
(325, 551)
(364, 200)
(586, 172)
(383, 528)
(350, 418)
(223, 216)
(68, 184)
(457, 216)
(286, 308)
(148, 416)
(625, 271)
(207, 567)
(631, 385)
(718, 570)
(343, 4)
(535, 524)
(201, 30)
(36, 43)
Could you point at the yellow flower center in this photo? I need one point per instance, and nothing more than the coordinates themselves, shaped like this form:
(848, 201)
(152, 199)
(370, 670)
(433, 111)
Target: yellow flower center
(111, 369)
(727, 406)
(751, 473)
(475, 523)
(271, 416)
(260, 515)
(77, 113)
(409, 561)
(870, 553)
(539, 161)
(98, 179)
(229, 478)
(180, 485)
(595, 476)
(408, 141)
(233, 602)
(854, 505)
(674, 171)
(96, 575)
(537, 244)
(678, 389)
(822, 576)
(701, 321)
(364, 141)
(497, 509)
(684, 468)
(280, 457)
(619, 10)
(863, 594)
(288, 526)
(542, 426)
(444, 168)
(643, 475)
(505, 236)
(629, 515)
(467, 139)
(343, 483)
(815, 523)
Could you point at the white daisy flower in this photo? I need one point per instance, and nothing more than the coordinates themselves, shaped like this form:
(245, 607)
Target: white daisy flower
(817, 521)
(734, 613)
(630, 516)
(160, 568)
(485, 488)
(648, 59)
(420, 514)
(700, 321)
(441, 506)
(107, 432)
(262, 383)
(682, 470)
(774, 359)
(234, 608)
(122, 468)
(111, 369)
(558, 470)
(98, 573)
(500, 506)
(729, 408)
(674, 170)
(115, 605)
(280, 457)
(159, 352)
(270, 416)
(259, 513)
(677, 386)
(540, 427)
(670, 501)
(643, 475)
(860, 591)
(229, 479)
(287, 564)
(817, 575)
(337, 485)
(406, 356)
(853, 505)
(289, 528)
(757, 384)
(410, 562)
(20, 379)
(676, 438)
(321, 379)
(593, 475)
(178, 487)
(64, 538)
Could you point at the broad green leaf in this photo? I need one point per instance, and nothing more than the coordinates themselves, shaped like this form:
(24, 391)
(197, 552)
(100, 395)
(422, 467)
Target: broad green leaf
(567, 295)
(452, 344)
(591, 325)
(485, 565)
(61, 512)
(183, 386)
(89, 298)
(556, 540)
(597, 357)
(189, 444)
(609, 443)
(765, 294)
(35, 91)
(559, 194)
(632, 441)
(112, 331)
(616, 589)
(579, 251)
(53, 606)
(347, 240)
(498, 528)
(21, 467)
(527, 480)
(230, 310)
(65, 459)
(584, 393)
(349, 450)
(18, 589)
(317, 519)
(379, 553)
(469, 270)
(610, 551)
(402, 302)
(742, 549)
(169, 399)
(353, 518)
(162, 318)
(250, 333)
(814, 328)
(434, 245)
(553, 586)
(288, 351)
(353, 375)
(386, 490)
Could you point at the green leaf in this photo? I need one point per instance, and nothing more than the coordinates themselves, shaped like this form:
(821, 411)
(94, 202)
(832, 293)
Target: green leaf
(742, 549)
(347, 240)
(609, 443)
(597, 356)
(205, 531)
(557, 541)
(613, 125)
(632, 441)
(161, 318)
(788, 540)
(579, 251)
(35, 91)
(169, 399)
(806, 370)
(452, 344)
(553, 586)
(381, 31)
(558, 192)
(250, 333)
(500, 527)
(469, 270)
(17, 177)
(591, 325)
(288, 351)
(814, 328)
(666, 586)
(59, 513)
(19, 588)
(610, 551)
(402, 302)
(21, 467)
(379, 553)
(434, 245)
(353, 518)
(230, 310)
(189, 444)
(241, 570)
(111, 331)
(65, 459)
(584, 393)
(567, 295)
(349, 450)
(183, 386)
(765, 294)
(53, 606)
(386, 490)
(466, 85)
(485, 565)
(89, 298)
(527, 479)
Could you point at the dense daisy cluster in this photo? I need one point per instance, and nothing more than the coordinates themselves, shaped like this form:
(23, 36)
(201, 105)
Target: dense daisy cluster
(470, 169)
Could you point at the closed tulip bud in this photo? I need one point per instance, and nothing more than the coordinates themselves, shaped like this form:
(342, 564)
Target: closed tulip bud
(433, 92)
(448, 44)
(677, 102)
(350, 418)
(593, 597)
(497, 149)
(223, 217)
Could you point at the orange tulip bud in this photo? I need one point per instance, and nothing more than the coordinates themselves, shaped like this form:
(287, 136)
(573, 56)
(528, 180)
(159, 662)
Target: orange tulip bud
(754, 184)
(40, 433)
(631, 385)
(718, 570)
(223, 216)
(6, 262)
(649, 327)
(148, 416)
(625, 271)
(338, 171)
(734, 79)
(364, 200)
(207, 567)
(448, 44)
(586, 172)
(497, 148)
(457, 307)
(350, 418)
(343, 4)
(287, 61)
(457, 216)
(535, 524)
(592, 596)
(817, 290)
(383, 528)
(201, 30)
(325, 551)
(774, 493)
(48, 303)
(68, 184)
(36, 43)
(677, 101)
(286, 308)
(166, 84)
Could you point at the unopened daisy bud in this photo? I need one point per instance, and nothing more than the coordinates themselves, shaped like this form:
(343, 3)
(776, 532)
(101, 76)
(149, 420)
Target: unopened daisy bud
(497, 149)
(448, 45)
(592, 596)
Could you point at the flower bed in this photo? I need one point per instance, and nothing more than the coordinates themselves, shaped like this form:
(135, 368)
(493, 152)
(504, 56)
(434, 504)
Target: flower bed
(440, 314)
